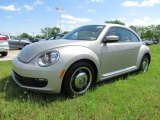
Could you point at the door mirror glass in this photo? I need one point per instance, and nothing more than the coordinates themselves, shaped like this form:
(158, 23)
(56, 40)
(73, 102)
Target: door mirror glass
(111, 38)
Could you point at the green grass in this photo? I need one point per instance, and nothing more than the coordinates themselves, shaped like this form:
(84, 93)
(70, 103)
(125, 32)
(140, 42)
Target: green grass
(135, 97)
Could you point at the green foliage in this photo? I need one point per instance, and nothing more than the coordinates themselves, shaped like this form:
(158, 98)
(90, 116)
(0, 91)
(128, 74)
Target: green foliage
(50, 32)
(136, 97)
(40, 36)
(115, 22)
(24, 35)
(151, 32)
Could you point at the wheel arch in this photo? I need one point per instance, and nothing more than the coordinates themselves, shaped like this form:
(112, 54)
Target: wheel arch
(149, 56)
(82, 60)
(144, 50)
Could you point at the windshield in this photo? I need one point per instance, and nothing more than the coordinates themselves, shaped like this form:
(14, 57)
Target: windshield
(90, 32)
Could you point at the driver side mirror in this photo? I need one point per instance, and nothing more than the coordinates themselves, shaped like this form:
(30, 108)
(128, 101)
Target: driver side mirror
(111, 39)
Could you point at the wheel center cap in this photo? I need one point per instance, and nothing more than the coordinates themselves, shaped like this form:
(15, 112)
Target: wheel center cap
(81, 80)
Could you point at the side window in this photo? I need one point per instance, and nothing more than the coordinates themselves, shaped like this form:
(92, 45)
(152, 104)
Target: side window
(126, 36)
(114, 31)
(134, 37)
(14, 38)
(123, 34)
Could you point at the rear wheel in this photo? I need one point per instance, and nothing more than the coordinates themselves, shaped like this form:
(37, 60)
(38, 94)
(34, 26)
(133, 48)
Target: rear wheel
(78, 79)
(4, 54)
(144, 64)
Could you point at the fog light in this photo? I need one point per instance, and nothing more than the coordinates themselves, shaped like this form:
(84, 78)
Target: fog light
(40, 82)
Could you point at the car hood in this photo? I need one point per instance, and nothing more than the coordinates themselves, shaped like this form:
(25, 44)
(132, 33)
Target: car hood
(32, 50)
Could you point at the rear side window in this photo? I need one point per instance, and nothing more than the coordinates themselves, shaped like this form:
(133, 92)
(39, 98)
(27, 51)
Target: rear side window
(123, 34)
(14, 38)
(134, 37)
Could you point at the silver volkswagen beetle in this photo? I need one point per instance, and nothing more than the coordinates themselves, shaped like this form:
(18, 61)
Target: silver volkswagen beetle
(87, 55)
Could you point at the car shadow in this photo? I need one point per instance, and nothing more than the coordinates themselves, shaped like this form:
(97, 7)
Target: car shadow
(10, 91)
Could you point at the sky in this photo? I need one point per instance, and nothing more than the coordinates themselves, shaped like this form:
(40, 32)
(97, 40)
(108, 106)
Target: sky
(30, 16)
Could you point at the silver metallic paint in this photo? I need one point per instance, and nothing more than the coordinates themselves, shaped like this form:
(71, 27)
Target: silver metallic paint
(111, 59)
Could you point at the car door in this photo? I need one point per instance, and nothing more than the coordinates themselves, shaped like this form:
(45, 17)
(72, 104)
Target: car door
(13, 42)
(120, 55)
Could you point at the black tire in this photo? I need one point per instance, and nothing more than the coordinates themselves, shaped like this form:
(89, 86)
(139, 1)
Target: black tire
(144, 64)
(78, 79)
(4, 54)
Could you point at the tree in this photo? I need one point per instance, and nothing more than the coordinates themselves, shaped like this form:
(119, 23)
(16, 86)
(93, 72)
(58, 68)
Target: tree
(157, 33)
(115, 22)
(46, 31)
(24, 35)
(151, 32)
(55, 31)
(50, 32)
(134, 28)
(40, 36)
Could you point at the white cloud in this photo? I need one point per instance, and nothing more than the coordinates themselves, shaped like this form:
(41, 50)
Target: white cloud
(38, 2)
(145, 21)
(10, 8)
(130, 4)
(70, 22)
(90, 10)
(144, 3)
(28, 7)
(98, 1)
(31, 7)
(74, 20)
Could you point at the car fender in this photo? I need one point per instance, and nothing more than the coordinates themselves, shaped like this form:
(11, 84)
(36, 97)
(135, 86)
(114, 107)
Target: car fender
(142, 51)
(71, 54)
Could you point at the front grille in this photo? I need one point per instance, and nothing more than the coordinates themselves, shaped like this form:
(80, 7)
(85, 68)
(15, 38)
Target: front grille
(31, 82)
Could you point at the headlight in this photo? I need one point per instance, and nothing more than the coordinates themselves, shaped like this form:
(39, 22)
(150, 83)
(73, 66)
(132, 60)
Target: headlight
(48, 58)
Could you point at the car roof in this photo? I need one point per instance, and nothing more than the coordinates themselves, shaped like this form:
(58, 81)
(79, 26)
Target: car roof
(109, 25)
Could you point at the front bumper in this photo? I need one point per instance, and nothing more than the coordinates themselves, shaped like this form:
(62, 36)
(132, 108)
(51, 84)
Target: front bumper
(25, 75)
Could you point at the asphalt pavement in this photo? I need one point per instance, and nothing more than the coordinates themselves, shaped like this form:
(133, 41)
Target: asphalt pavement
(11, 54)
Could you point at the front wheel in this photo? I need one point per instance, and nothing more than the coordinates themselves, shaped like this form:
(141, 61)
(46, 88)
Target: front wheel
(144, 64)
(4, 54)
(78, 79)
